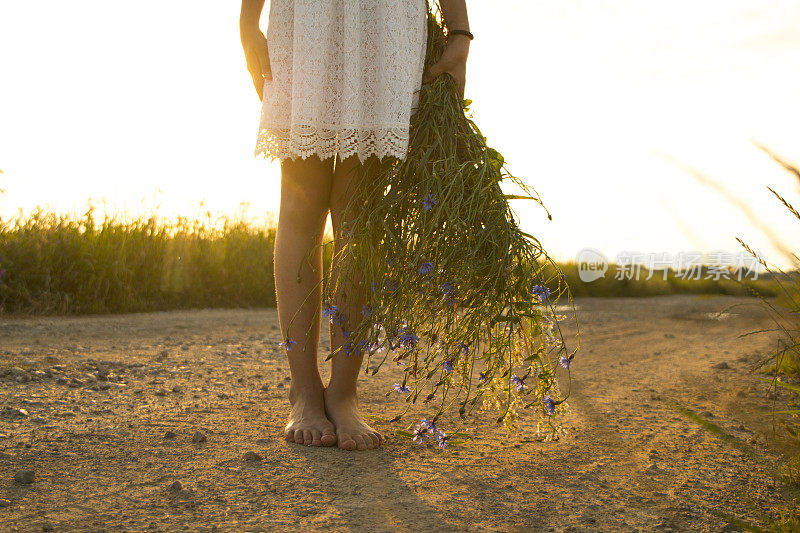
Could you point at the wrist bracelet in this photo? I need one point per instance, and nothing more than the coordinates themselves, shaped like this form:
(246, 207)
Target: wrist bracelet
(460, 32)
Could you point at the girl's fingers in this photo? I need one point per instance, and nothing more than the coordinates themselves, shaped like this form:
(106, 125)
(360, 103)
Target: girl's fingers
(260, 72)
(261, 62)
(432, 73)
(259, 66)
(265, 74)
(256, 54)
(436, 70)
(258, 83)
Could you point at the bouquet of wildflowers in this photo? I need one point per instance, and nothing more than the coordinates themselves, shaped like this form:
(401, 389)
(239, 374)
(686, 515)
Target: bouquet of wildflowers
(455, 292)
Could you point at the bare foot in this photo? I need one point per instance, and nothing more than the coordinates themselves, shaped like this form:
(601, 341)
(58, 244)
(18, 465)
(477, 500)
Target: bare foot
(352, 431)
(307, 422)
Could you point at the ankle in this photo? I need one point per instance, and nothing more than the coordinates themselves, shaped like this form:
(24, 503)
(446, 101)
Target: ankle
(309, 391)
(340, 393)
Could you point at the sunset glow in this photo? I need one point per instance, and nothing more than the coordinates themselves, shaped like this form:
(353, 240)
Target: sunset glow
(598, 105)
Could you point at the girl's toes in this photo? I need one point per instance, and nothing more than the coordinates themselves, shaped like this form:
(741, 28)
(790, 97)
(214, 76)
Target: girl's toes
(307, 437)
(375, 440)
(361, 444)
(346, 442)
(316, 437)
(298, 436)
(328, 439)
(289, 435)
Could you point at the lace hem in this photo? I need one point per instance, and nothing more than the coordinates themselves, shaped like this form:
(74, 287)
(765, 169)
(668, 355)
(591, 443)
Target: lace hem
(303, 140)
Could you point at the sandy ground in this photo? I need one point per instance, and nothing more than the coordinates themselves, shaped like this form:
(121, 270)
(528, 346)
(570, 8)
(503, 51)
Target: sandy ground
(106, 453)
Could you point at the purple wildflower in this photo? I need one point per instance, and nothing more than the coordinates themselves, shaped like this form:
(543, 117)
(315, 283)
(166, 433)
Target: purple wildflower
(447, 366)
(448, 291)
(330, 311)
(566, 362)
(428, 424)
(392, 344)
(287, 344)
(408, 339)
(519, 383)
(401, 388)
(425, 269)
(542, 291)
(464, 348)
(428, 202)
(348, 349)
(549, 404)
(366, 310)
(424, 429)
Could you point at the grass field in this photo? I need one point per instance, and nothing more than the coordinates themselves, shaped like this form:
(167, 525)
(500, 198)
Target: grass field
(59, 264)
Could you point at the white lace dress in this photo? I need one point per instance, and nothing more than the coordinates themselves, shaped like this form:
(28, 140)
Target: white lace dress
(346, 76)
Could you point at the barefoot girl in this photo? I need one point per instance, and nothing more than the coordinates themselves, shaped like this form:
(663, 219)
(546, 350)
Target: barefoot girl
(339, 81)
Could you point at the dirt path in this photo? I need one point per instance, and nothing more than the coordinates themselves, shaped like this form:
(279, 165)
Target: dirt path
(629, 461)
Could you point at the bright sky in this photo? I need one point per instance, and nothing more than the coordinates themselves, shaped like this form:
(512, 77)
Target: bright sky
(149, 105)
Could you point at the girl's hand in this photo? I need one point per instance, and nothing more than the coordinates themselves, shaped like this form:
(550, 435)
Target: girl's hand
(453, 61)
(257, 56)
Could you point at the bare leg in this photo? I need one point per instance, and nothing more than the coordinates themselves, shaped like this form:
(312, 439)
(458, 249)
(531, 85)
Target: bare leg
(341, 402)
(305, 191)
